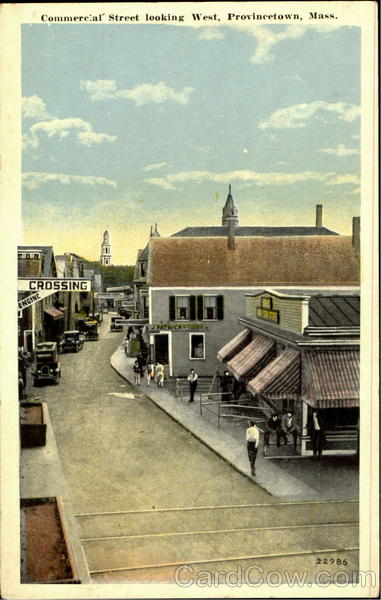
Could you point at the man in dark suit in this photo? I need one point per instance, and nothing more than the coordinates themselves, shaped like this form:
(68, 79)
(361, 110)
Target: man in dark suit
(274, 426)
(316, 430)
(288, 424)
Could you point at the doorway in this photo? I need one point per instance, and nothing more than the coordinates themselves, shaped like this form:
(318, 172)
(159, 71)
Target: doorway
(161, 345)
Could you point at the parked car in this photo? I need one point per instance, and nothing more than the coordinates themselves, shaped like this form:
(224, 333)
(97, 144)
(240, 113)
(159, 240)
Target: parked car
(73, 341)
(91, 331)
(115, 324)
(46, 366)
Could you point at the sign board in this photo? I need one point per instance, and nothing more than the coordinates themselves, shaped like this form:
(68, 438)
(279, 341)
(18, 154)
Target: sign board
(41, 287)
(178, 327)
(53, 284)
(132, 322)
(111, 296)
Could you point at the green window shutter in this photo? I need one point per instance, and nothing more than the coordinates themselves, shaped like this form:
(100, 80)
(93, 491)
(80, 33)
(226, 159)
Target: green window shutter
(220, 308)
(172, 308)
(192, 308)
(200, 308)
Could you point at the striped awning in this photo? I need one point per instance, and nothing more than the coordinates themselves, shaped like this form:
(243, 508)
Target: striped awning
(254, 357)
(235, 345)
(280, 378)
(333, 378)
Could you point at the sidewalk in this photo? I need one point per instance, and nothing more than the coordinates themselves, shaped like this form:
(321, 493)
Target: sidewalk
(41, 476)
(292, 479)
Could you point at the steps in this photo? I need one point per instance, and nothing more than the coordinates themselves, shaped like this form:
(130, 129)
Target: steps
(155, 540)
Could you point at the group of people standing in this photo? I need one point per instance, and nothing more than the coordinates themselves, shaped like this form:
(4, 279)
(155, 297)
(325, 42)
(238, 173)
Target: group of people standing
(152, 372)
(282, 427)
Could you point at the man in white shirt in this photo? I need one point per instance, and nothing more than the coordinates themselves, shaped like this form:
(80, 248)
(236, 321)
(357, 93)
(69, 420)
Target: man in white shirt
(252, 439)
(192, 378)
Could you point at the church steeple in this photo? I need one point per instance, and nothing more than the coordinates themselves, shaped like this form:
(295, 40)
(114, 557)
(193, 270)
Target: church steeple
(154, 232)
(230, 211)
(106, 250)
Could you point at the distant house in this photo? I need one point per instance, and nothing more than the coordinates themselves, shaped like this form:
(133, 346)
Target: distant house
(191, 286)
(197, 285)
(44, 318)
(299, 349)
(140, 279)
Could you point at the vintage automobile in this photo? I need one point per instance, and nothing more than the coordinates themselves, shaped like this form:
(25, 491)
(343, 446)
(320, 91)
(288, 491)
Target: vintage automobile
(72, 341)
(115, 324)
(91, 330)
(46, 366)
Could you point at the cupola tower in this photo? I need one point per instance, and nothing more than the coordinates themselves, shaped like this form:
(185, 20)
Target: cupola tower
(106, 250)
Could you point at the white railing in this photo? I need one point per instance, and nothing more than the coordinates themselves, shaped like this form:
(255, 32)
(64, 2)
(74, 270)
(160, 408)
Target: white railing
(217, 404)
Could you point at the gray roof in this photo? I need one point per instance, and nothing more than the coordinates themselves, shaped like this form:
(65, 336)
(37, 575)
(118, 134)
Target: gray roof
(252, 231)
(335, 311)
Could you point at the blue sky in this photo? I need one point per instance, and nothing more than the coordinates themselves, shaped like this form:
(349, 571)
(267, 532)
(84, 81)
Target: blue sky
(128, 125)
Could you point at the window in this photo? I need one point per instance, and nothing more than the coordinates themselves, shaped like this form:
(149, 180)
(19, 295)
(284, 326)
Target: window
(197, 345)
(36, 256)
(288, 404)
(182, 307)
(210, 307)
(266, 312)
(196, 308)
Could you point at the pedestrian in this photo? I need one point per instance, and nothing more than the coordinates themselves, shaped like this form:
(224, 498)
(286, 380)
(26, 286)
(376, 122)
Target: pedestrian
(159, 371)
(150, 372)
(238, 389)
(136, 369)
(226, 387)
(288, 424)
(274, 426)
(252, 439)
(316, 431)
(141, 360)
(193, 379)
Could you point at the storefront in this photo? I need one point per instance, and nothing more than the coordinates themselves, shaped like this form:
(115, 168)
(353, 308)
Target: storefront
(300, 353)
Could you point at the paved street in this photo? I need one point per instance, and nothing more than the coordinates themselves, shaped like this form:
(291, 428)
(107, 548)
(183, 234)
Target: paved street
(147, 495)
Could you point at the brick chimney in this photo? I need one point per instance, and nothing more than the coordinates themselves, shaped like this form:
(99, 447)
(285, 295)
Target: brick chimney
(356, 234)
(319, 215)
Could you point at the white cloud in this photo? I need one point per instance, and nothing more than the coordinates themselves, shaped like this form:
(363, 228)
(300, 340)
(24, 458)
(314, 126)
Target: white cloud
(29, 141)
(295, 116)
(62, 127)
(33, 107)
(343, 179)
(155, 166)
(210, 33)
(169, 182)
(34, 179)
(100, 89)
(88, 138)
(267, 38)
(144, 93)
(341, 150)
